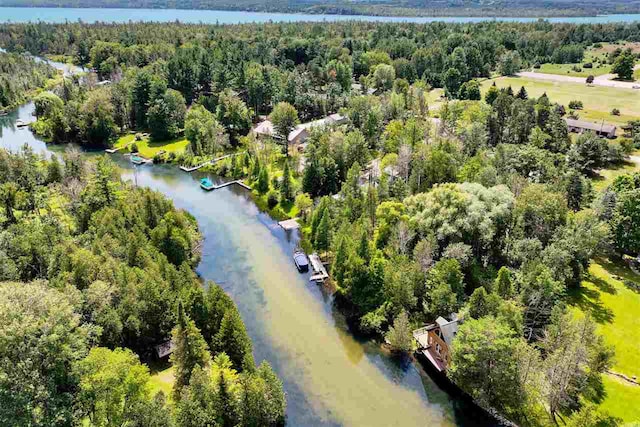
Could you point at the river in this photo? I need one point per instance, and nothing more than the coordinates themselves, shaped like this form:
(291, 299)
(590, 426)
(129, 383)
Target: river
(330, 377)
(48, 14)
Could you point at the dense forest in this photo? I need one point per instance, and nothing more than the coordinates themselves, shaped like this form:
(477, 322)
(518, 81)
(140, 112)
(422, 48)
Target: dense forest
(18, 76)
(480, 205)
(95, 273)
(376, 7)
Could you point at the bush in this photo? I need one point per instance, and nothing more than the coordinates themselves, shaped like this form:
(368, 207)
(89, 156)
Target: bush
(138, 137)
(632, 285)
(615, 112)
(134, 148)
(272, 199)
(576, 105)
(537, 65)
(588, 65)
(576, 69)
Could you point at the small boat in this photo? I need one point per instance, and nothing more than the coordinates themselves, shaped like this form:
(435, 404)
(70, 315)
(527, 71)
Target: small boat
(206, 184)
(21, 124)
(301, 261)
(4, 113)
(137, 160)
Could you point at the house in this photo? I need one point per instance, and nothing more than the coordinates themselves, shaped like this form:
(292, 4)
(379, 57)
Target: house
(300, 133)
(165, 349)
(435, 340)
(580, 126)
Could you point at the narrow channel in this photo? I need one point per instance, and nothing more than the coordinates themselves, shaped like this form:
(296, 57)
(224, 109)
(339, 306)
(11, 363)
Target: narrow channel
(330, 377)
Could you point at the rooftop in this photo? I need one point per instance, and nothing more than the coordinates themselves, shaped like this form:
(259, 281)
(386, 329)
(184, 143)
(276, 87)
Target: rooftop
(596, 127)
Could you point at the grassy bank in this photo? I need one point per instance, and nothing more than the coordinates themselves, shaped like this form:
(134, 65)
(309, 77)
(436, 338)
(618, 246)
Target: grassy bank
(598, 100)
(568, 70)
(148, 148)
(615, 308)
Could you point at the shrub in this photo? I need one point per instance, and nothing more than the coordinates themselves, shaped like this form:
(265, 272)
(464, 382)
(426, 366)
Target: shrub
(272, 199)
(588, 65)
(632, 285)
(138, 137)
(537, 65)
(590, 79)
(615, 112)
(134, 148)
(576, 105)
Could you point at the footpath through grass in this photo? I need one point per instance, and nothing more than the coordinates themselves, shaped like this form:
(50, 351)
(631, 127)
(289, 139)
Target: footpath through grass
(598, 100)
(614, 307)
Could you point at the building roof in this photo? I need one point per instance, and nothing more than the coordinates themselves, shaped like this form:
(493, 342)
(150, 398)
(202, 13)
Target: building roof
(449, 328)
(165, 349)
(596, 127)
(266, 127)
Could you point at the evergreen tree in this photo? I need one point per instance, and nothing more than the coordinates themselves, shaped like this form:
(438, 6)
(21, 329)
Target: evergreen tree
(322, 240)
(399, 335)
(364, 248)
(227, 406)
(263, 180)
(232, 339)
(575, 191)
(339, 265)
(286, 192)
(190, 351)
(482, 303)
(491, 94)
(522, 93)
(504, 284)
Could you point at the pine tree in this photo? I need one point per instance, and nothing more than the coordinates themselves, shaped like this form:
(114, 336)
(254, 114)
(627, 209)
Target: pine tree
(364, 248)
(263, 180)
(504, 285)
(575, 191)
(226, 404)
(522, 93)
(322, 234)
(399, 335)
(190, 351)
(482, 303)
(286, 192)
(232, 339)
(339, 265)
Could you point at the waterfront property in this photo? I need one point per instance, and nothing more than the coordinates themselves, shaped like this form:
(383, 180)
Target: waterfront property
(319, 271)
(580, 126)
(435, 340)
(300, 133)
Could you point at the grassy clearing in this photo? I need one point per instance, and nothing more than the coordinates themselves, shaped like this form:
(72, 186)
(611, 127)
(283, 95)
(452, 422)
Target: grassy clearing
(606, 176)
(162, 381)
(148, 148)
(598, 100)
(622, 399)
(567, 70)
(614, 307)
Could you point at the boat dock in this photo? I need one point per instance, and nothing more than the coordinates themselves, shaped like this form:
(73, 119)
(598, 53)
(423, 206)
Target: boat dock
(210, 162)
(319, 271)
(226, 184)
(289, 224)
(113, 150)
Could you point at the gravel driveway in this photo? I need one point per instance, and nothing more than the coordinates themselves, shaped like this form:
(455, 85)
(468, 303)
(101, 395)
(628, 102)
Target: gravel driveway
(603, 80)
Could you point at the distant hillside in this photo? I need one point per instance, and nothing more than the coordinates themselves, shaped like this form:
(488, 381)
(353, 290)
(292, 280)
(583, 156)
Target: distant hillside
(369, 7)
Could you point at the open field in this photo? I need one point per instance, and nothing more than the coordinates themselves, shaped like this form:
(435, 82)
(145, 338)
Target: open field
(606, 176)
(598, 100)
(614, 307)
(567, 70)
(148, 148)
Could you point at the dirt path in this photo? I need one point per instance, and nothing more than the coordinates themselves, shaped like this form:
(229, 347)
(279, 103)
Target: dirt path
(603, 80)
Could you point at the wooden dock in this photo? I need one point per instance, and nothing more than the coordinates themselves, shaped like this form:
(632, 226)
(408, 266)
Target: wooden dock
(210, 162)
(113, 150)
(319, 271)
(289, 224)
(226, 184)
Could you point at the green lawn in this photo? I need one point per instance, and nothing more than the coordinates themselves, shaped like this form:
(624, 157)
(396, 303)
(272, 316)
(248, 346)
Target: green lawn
(567, 70)
(148, 148)
(598, 100)
(607, 176)
(615, 308)
(162, 381)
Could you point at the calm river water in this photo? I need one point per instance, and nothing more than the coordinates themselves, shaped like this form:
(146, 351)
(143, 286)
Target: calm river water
(330, 377)
(25, 14)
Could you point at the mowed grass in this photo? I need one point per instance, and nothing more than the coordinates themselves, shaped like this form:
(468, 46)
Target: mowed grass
(162, 381)
(598, 100)
(148, 148)
(567, 70)
(614, 307)
(606, 176)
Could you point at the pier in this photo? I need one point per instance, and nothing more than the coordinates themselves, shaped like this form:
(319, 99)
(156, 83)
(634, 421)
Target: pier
(226, 184)
(210, 162)
(319, 271)
(289, 224)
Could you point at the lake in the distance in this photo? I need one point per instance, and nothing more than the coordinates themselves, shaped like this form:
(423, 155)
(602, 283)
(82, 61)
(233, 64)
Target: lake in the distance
(45, 14)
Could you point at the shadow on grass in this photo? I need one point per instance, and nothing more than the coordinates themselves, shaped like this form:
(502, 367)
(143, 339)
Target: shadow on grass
(588, 300)
(595, 390)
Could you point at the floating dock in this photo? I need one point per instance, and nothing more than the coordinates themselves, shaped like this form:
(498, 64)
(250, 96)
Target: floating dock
(319, 271)
(289, 224)
(226, 184)
(112, 150)
(210, 162)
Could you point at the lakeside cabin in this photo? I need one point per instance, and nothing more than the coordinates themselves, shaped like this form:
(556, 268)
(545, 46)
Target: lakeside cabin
(300, 133)
(434, 341)
(602, 129)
